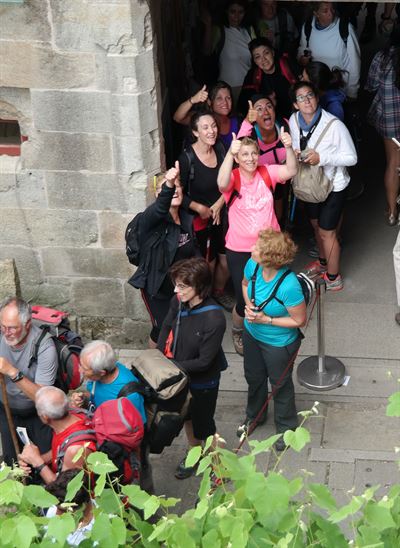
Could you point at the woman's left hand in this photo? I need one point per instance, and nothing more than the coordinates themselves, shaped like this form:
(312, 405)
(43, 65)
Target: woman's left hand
(285, 138)
(312, 157)
(216, 211)
(253, 316)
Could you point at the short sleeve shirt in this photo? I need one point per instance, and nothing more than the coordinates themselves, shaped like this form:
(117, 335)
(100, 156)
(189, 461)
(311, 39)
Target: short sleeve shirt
(101, 392)
(42, 372)
(252, 211)
(289, 293)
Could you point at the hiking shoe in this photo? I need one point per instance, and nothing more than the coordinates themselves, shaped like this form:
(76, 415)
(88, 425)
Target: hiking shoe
(237, 338)
(333, 285)
(182, 471)
(397, 318)
(280, 445)
(245, 426)
(314, 269)
(225, 300)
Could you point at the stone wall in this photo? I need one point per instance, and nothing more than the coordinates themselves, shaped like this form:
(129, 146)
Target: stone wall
(79, 77)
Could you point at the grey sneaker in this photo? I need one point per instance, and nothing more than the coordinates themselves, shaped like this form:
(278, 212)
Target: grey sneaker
(237, 338)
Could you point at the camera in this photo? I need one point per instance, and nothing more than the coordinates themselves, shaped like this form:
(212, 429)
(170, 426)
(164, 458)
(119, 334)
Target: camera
(303, 155)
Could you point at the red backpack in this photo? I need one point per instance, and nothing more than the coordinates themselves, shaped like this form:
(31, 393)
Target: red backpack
(117, 429)
(262, 170)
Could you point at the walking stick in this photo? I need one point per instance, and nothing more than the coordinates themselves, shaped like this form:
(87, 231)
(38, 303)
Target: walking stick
(8, 415)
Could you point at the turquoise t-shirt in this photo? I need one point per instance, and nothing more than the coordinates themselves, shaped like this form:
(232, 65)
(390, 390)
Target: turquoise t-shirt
(289, 293)
(104, 392)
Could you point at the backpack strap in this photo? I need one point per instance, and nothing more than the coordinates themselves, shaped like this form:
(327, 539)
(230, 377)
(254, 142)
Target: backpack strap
(273, 293)
(200, 310)
(263, 171)
(133, 387)
(344, 29)
(307, 30)
(36, 345)
(323, 133)
(190, 158)
(236, 188)
(80, 435)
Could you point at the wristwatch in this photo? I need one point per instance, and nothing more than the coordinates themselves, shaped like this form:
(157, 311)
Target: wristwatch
(270, 320)
(17, 377)
(39, 468)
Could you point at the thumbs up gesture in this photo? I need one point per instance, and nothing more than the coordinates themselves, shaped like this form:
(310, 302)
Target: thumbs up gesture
(251, 113)
(200, 97)
(235, 145)
(285, 138)
(172, 174)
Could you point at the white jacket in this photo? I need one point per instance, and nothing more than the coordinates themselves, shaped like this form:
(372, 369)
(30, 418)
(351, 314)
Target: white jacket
(327, 46)
(336, 150)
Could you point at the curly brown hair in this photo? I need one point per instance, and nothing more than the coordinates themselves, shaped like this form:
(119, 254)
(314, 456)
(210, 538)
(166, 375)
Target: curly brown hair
(276, 249)
(195, 273)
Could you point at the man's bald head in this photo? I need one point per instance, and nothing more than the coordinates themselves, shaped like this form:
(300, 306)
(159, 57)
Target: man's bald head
(51, 402)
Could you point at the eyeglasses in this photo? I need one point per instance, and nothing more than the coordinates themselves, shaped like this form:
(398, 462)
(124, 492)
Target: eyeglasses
(182, 287)
(301, 98)
(12, 329)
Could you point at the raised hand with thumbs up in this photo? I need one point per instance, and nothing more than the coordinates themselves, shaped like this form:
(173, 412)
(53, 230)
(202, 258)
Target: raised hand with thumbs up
(235, 145)
(285, 138)
(172, 175)
(251, 113)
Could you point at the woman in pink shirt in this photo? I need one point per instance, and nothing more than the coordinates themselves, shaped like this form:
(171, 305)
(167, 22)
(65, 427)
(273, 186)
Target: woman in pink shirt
(248, 192)
(262, 125)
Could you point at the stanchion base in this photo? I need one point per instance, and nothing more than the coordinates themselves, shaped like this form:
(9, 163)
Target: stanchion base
(309, 376)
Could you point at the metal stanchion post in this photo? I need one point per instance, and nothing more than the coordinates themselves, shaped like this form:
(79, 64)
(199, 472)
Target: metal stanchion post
(321, 372)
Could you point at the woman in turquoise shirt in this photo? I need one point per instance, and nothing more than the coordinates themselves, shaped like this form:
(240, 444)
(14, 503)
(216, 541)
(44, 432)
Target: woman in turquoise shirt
(273, 315)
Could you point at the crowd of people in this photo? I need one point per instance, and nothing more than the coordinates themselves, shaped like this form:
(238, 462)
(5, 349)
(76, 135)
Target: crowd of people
(278, 107)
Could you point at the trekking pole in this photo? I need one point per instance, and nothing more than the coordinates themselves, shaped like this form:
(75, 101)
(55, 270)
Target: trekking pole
(8, 415)
(321, 372)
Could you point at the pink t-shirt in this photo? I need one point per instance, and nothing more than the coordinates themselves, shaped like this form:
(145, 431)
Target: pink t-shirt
(269, 153)
(252, 211)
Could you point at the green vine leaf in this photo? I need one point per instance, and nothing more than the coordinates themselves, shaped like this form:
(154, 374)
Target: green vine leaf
(193, 456)
(73, 486)
(322, 497)
(59, 527)
(393, 408)
(99, 463)
(38, 496)
(349, 509)
(297, 439)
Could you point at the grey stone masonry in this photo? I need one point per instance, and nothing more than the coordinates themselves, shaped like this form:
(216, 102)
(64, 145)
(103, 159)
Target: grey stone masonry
(9, 281)
(79, 77)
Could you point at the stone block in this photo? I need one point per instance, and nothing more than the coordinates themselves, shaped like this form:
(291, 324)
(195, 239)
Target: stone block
(141, 25)
(93, 263)
(68, 151)
(136, 189)
(40, 228)
(98, 297)
(125, 114)
(9, 280)
(28, 266)
(55, 293)
(28, 20)
(74, 190)
(117, 331)
(135, 307)
(112, 230)
(71, 26)
(341, 475)
(71, 111)
(136, 154)
(111, 27)
(39, 66)
(369, 473)
(23, 189)
(131, 73)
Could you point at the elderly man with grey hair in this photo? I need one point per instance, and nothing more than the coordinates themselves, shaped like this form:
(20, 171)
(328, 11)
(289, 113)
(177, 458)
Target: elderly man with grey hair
(23, 378)
(105, 377)
(52, 407)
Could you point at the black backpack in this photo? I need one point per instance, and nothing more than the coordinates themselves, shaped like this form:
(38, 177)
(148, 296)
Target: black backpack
(68, 347)
(343, 29)
(136, 250)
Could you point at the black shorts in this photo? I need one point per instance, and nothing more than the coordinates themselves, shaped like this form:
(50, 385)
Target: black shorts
(202, 410)
(215, 235)
(328, 213)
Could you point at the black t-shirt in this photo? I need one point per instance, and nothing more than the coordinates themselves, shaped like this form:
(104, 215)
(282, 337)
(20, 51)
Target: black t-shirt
(186, 250)
(203, 188)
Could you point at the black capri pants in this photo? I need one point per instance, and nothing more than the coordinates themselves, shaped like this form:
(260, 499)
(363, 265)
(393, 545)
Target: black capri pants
(236, 262)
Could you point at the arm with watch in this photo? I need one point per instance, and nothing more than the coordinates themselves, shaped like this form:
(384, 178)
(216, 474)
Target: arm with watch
(31, 459)
(16, 376)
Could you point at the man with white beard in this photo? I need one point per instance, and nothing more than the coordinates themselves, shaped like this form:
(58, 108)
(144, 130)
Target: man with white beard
(23, 378)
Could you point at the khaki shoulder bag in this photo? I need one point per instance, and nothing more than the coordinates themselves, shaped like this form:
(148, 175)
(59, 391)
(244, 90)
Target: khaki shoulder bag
(310, 184)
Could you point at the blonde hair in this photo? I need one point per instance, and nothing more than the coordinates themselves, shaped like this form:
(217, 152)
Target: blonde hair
(276, 249)
(248, 141)
(158, 180)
